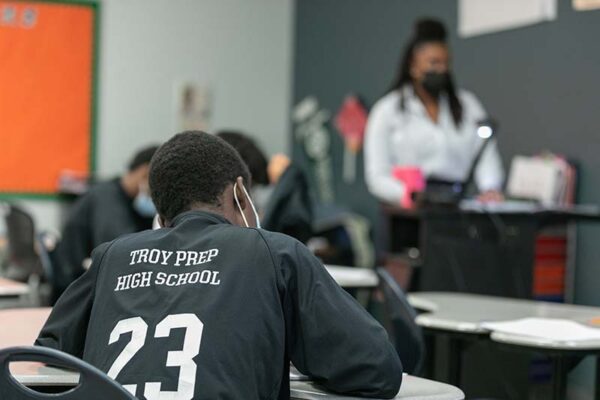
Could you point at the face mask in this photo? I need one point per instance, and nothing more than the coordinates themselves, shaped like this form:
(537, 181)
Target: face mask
(143, 205)
(240, 207)
(435, 82)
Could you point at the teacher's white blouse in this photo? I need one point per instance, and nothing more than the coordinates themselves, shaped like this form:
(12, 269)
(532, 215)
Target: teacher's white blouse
(410, 138)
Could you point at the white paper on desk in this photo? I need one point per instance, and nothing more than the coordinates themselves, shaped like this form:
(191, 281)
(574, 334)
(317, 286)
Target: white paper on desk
(535, 178)
(507, 206)
(546, 329)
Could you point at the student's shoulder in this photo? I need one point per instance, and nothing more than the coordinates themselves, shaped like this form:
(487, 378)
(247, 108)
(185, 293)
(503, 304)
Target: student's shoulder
(128, 240)
(242, 236)
(275, 239)
(104, 186)
(282, 247)
(102, 191)
(96, 194)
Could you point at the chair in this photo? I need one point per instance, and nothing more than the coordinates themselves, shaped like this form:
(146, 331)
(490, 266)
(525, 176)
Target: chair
(45, 243)
(289, 209)
(22, 256)
(348, 235)
(28, 259)
(405, 334)
(93, 383)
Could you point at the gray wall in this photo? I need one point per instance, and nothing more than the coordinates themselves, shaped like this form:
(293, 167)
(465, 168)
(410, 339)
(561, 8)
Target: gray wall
(240, 49)
(541, 82)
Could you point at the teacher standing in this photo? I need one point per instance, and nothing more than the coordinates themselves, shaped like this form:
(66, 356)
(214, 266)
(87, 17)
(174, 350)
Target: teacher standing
(425, 122)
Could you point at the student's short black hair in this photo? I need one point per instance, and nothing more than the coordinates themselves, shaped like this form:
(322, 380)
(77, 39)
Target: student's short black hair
(142, 157)
(251, 154)
(193, 167)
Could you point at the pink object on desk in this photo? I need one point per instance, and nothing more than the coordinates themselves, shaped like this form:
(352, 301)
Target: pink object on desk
(413, 180)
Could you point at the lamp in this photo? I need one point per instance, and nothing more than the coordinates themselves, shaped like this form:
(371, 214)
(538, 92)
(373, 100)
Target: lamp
(486, 129)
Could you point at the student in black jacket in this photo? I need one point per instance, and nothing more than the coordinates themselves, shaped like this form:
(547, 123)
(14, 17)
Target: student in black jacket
(287, 205)
(110, 209)
(211, 307)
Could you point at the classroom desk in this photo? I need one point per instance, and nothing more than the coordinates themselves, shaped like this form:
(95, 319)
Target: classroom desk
(413, 388)
(38, 375)
(353, 277)
(12, 293)
(26, 324)
(460, 315)
(491, 250)
(20, 326)
(10, 288)
(360, 282)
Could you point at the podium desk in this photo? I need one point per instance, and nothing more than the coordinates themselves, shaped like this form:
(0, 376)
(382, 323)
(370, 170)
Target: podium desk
(510, 249)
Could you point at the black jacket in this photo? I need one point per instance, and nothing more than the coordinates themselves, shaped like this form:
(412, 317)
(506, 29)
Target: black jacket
(217, 312)
(101, 215)
(289, 209)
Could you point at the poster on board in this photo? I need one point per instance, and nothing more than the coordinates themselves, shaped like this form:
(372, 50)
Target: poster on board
(351, 121)
(47, 91)
(192, 107)
(478, 17)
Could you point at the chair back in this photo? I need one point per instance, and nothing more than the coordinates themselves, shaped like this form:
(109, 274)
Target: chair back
(41, 240)
(405, 334)
(23, 260)
(93, 383)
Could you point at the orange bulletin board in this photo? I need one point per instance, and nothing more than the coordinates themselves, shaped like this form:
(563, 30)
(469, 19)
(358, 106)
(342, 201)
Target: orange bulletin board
(47, 93)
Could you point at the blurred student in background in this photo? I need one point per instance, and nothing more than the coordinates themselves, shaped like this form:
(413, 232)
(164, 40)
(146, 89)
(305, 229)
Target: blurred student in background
(110, 209)
(426, 122)
(279, 188)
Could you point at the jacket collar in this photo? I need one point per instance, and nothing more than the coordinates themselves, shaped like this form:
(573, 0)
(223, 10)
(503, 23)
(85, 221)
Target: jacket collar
(200, 215)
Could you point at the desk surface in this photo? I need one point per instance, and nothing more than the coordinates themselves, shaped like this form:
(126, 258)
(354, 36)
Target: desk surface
(26, 324)
(20, 326)
(353, 277)
(579, 211)
(413, 388)
(10, 288)
(462, 312)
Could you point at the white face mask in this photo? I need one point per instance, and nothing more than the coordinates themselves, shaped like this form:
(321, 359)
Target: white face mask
(240, 207)
(143, 205)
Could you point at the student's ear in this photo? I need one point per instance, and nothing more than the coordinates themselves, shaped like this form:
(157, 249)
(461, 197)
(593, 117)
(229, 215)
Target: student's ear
(239, 192)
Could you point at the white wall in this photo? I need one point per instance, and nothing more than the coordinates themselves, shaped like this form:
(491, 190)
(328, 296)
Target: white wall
(240, 49)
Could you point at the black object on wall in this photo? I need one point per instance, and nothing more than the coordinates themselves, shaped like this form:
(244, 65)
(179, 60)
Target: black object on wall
(541, 82)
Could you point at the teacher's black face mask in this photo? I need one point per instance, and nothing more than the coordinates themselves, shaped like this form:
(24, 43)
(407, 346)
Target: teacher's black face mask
(435, 82)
